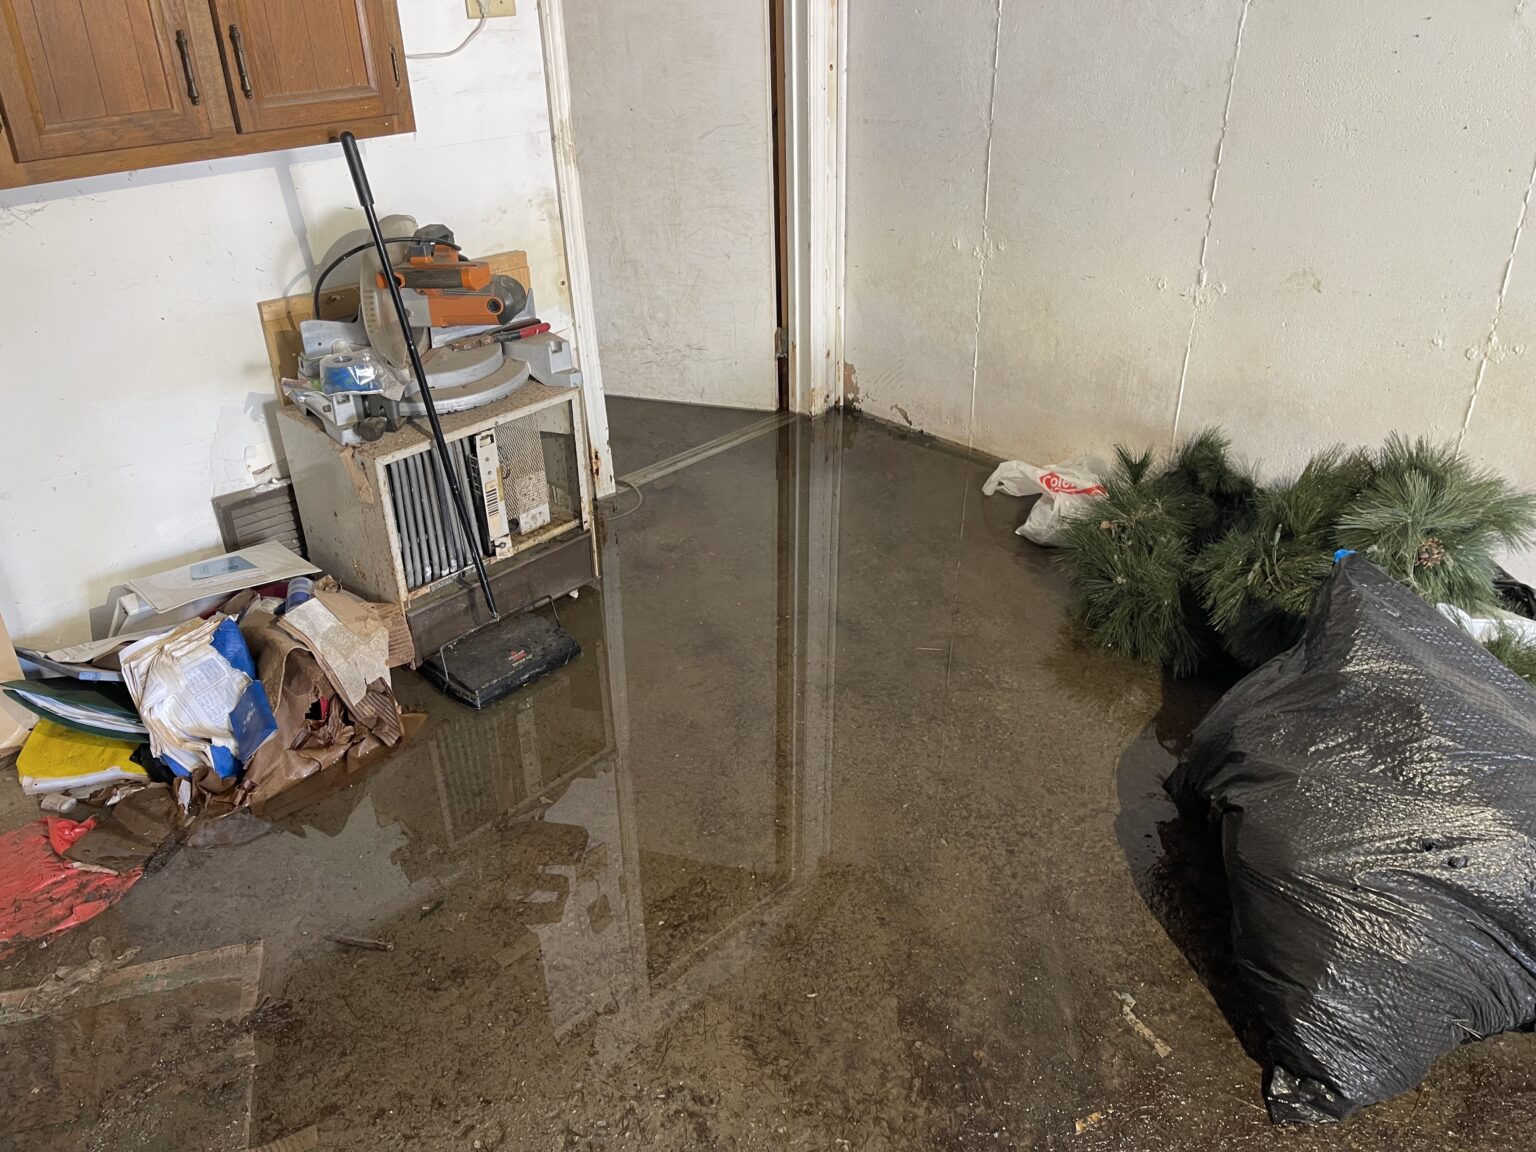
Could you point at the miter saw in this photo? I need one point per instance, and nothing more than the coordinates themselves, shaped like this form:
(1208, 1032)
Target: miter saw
(465, 319)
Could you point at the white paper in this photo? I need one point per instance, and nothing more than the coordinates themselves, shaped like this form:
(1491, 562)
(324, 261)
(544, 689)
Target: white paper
(352, 661)
(272, 561)
(184, 691)
(64, 710)
(96, 649)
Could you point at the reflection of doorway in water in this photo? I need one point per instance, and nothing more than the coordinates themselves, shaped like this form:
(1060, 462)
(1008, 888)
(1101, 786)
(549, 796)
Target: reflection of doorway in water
(608, 954)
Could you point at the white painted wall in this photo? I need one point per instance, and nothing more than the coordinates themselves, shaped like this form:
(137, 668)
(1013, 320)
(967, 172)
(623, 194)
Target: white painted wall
(133, 378)
(671, 115)
(1042, 259)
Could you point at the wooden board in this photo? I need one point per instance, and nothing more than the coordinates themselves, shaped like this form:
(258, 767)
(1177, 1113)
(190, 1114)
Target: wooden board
(280, 318)
(15, 721)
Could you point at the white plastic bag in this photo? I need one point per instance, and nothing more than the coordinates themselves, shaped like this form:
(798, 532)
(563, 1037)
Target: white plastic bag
(1065, 491)
(1490, 623)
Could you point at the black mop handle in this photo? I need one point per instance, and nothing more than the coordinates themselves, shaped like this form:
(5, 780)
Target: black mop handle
(471, 533)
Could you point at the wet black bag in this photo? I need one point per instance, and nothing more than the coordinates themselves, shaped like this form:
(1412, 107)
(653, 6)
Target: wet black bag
(1376, 792)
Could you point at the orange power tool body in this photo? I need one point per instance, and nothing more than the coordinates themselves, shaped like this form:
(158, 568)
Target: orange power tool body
(441, 291)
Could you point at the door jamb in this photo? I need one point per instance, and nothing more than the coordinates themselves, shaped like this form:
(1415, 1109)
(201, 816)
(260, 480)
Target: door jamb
(813, 210)
(557, 80)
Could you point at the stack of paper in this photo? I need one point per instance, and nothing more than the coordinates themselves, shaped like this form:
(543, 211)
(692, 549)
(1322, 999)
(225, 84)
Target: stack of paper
(101, 709)
(196, 693)
(56, 759)
(194, 590)
(93, 660)
(353, 660)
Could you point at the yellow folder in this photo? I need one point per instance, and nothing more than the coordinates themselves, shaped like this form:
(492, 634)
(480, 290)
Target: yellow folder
(56, 758)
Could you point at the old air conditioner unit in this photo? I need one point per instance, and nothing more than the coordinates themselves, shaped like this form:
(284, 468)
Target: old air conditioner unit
(378, 516)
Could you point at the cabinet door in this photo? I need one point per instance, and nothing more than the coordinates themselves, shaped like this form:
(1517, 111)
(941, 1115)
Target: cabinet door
(82, 76)
(297, 62)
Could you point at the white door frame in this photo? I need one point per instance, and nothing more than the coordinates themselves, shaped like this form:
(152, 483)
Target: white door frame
(557, 79)
(815, 39)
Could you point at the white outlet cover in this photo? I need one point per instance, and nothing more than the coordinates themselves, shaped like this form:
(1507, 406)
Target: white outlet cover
(492, 8)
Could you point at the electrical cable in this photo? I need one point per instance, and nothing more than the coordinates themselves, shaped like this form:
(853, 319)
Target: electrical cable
(485, 15)
(635, 488)
(314, 299)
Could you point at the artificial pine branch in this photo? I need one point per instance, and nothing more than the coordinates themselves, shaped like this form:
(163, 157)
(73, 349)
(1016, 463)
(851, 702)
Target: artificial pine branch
(1166, 555)
(1259, 580)
(1432, 520)
(1131, 554)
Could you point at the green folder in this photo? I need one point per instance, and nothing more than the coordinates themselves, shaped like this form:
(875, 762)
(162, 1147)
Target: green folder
(102, 709)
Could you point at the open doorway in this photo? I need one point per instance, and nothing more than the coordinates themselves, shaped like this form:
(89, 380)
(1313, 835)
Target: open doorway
(676, 143)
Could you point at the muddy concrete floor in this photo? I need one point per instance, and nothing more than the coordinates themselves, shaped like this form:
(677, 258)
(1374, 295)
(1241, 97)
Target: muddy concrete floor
(836, 836)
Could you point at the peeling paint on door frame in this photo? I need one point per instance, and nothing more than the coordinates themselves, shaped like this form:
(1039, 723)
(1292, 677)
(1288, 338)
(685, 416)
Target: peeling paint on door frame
(557, 78)
(815, 63)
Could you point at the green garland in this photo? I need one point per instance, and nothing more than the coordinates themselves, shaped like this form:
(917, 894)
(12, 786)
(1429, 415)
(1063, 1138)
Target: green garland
(1191, 565)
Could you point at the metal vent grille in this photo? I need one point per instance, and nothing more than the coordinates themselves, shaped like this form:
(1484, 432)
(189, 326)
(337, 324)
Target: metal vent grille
(538, 486)
(432, 545)
(257, 515)
(521, 448)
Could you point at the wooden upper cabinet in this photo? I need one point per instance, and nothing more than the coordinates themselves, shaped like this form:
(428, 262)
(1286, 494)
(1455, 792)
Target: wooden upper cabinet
(294, 62)
(92, 86)
(82, 76)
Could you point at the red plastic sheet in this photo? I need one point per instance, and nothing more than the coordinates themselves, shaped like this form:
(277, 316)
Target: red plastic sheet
(41, 893)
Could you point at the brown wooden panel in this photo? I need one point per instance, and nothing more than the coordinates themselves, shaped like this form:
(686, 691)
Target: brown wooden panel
(14, 174)
(83, 76)
(152, 65)
(296, 62)
(119, 69)
(331, 22)
(63, 43)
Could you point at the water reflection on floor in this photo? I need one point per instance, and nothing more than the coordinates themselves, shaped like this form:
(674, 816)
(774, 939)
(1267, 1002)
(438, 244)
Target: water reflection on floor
(836, 836)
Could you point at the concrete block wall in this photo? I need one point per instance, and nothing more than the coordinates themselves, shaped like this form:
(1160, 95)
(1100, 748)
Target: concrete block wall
(1123, 220)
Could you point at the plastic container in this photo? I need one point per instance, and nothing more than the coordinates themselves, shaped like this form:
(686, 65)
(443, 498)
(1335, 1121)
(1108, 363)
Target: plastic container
(359, 371)
(300, 589)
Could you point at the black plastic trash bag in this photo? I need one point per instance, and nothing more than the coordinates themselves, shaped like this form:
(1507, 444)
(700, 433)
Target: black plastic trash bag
(1513, 595)
(1376, 791)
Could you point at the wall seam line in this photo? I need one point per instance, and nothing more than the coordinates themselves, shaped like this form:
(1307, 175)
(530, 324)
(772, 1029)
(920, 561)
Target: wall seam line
(1199, 296)
(985, 255)
(1491, 342)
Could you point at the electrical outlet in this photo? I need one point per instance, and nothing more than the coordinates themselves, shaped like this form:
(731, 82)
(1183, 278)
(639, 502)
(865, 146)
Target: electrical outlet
(492, 8)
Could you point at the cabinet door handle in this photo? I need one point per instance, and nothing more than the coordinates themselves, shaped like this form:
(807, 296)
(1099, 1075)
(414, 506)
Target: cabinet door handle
(238, 45)
(186, 66)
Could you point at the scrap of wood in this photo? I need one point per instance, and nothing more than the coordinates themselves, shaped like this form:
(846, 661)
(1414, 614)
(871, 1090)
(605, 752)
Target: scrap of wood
(280, 318)
(1127, 1006)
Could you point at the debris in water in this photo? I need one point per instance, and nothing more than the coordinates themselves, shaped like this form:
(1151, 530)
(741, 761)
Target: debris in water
(362, 942)
(1092, 1120)
(1127, 1004)
(303, 1141)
